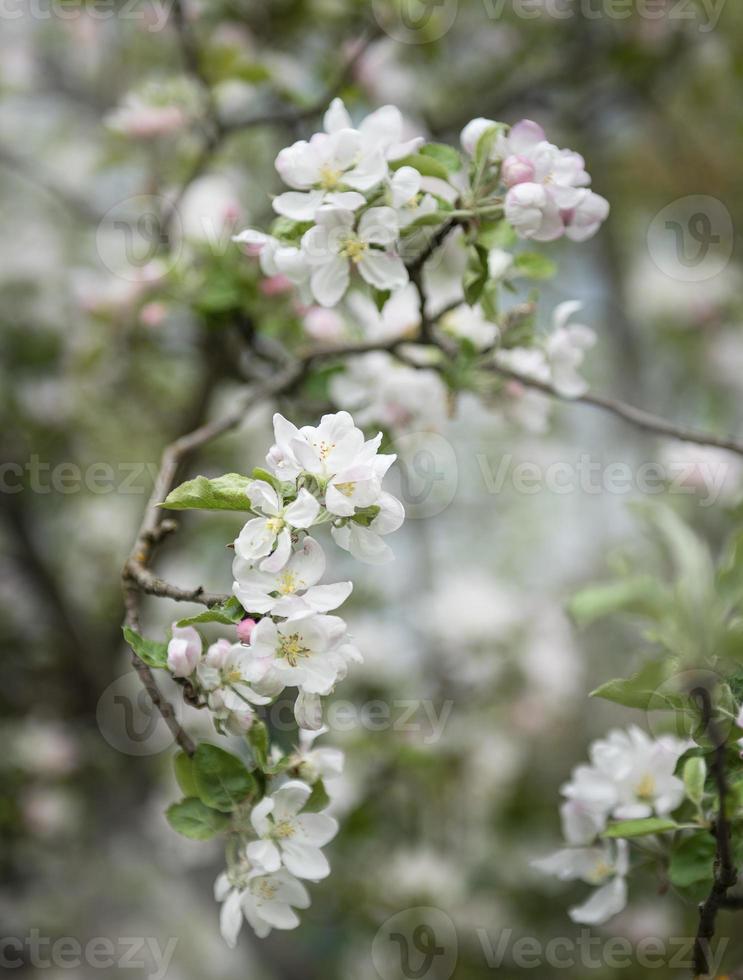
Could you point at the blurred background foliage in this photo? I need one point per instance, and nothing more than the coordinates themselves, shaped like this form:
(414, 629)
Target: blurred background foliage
(100, 369)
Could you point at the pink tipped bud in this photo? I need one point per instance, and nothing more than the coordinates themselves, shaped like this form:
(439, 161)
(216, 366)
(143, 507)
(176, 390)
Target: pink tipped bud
(517, 170)
(184, 651)
(245, 629)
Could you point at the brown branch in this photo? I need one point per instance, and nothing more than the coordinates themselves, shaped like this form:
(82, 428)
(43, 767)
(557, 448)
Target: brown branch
(637, 417)
(725, 872)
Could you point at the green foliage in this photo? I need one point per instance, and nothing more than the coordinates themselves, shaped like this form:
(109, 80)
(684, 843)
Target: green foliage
(533, 265)
(228, 492)
(193, 819)
(258, 741)
(695, 776)
(227, 613)
(318, 799)
(446, 155)
(222, 780)
(496, 234)
(183, 767)
(639, 828)
(692, 860)
(476, 274)
(153, 653)
(426, 165)
(638, 594)
(642, 690)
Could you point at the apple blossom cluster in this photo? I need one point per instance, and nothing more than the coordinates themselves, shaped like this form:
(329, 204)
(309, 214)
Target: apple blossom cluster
(329, 474)
(357, 192)
(349, 204)
(630, 778)
(287, 638)
(547, 189)
(265, 881)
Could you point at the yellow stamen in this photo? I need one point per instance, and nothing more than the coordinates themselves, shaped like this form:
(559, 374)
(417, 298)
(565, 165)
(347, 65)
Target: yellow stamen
(646, 787)
(353, 249)
(330, 178)
(346, 489)
(291, 649)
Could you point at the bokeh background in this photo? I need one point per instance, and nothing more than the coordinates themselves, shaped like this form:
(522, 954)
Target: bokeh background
(106, 358)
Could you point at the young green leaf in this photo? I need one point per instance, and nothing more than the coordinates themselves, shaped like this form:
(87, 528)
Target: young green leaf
(227, 613)
(446, 155)
(258, 741)
(154, 654)
(644, 690)
(184, 774)
(692, 860)
(222, 780)
(639, 594)
(639, 828)
(427, 166)
(318, 799)
(193, 819)
(228, 492)
(695, 775)
(534, 266)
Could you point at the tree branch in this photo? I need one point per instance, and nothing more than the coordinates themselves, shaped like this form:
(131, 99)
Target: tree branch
(725, 873)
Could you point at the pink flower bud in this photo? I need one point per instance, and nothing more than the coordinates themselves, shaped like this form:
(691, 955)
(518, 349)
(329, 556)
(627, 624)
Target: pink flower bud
(184, 651)
(245, 629)
(240, 722)
(275, 285)
(153, 314)
(517, 170)
(217, 654)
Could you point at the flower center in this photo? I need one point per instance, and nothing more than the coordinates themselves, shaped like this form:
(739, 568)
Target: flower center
(346, 489)
(601, 871)
(283, 829)
(330, 178)
(324, 449)
(288, 583)
(233, 676)
(645, 789)
(353, 248)
(275, 524)
(292, 650)
(265, 889)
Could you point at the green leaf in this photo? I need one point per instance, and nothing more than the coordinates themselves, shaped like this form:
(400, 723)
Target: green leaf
(695, 775)
(424, 220)
(184, 774)
(534, 266)
(692, 860)
(639, 828)
(228, 492)
(227, 613)
(496, 234)
(192, 819)
(446, 155)
(258, 741)
(427, 166)
(154, 654)
(318, 799)
(643, 689)
(485, 145)
(380, 297)
(365, 515)
(222, 780)
(475, 274)
(639, 594)
(260, 474)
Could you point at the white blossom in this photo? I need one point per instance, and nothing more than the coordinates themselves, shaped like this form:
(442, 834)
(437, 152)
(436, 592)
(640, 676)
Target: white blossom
(338, 243)
(289, 838)
(267, 901)
(184, 650)
(271, 534)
